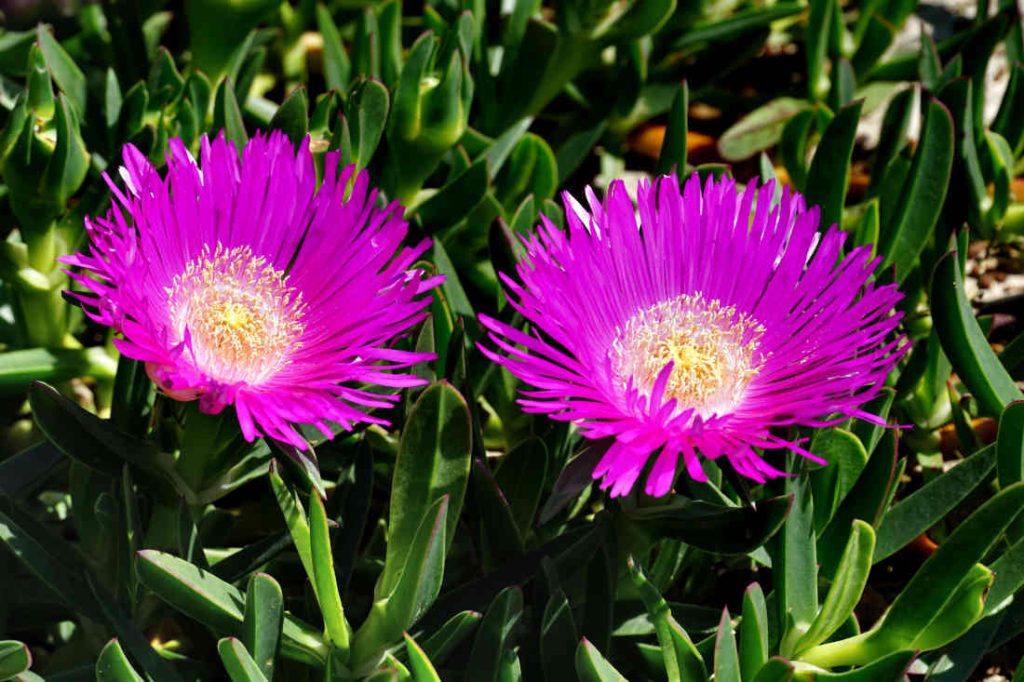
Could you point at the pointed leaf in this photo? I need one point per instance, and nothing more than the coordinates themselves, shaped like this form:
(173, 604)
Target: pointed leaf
(716, 528)
(964, 342)
(904, 236)
(433, 461)
(845, 592)
(292, 116)
(113, 665)
(727, 660)
(591, 666)
(829, 175)
(227, 115)
(673, 146)
(1010, 444)
(15, 658)
(367, 112)
(753, 651)
(929, 504)
(261, 625)
(446, 638)
(323, 575)
(492, 639)
(65, 71)
(337, 66)
(206, 598)
(238, 662)
(422, 668)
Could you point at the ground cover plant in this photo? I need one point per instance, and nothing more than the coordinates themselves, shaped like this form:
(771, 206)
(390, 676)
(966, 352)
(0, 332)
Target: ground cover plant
(477, 340)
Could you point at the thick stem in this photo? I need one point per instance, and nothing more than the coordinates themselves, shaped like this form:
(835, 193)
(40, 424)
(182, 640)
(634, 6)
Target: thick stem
(856, 650)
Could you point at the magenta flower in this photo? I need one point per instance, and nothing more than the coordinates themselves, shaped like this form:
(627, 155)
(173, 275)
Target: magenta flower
(239, 282)
(721, 316)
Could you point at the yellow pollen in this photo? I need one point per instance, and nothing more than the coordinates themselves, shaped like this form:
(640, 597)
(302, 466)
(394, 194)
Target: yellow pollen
(242, 318)
(712, 349)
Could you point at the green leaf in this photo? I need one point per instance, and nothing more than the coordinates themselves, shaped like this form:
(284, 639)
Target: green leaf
(417, 585)
(794, 562)
(65, 72)
(921, 196)
(206, 598)
(367, 112)
(433, 462)
(868, 433)
(191, 590)
(891, 667)
(1010, 444)
(964, 342)
(531, 168)
(591, 666)
(1009, 121)
(1009, 570)
(845, 592)
(775, 670)
(15, 658)
(291, 117)
(577, 147)
(20, 474)
(831, 483)
(713, 527)
(725, 28)
(227, 116)
(829, 174)
(929, 504)
(673, 146)
(261, 625)
(457, 198)
(753, 633)
(238, 662)
(500, 540)
(960, 612)
(727, 660)
(818, 22)
(336, 63)
(867, 501)
(942, 599)
(422, 668)
(558, 638)
(640, 19)
(758, 130)
(95, 442)
(793, 145)
(443, 640)
(498, 151)
(365, 58)
(389, 43)
(493, 637)
(55, 563)
(893, 136)
(294, 517)
(929, 64)
(682, 661)
(113, 665)
(323, 575)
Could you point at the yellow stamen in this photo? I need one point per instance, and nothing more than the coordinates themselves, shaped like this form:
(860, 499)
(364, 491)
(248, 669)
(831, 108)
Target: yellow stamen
(243, 318)
(711, 347)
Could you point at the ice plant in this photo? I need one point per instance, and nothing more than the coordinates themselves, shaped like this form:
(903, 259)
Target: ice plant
(721, 315)
(240, 282)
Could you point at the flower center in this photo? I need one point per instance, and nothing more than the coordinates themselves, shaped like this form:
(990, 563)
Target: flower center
(242, 318)
(711, 347)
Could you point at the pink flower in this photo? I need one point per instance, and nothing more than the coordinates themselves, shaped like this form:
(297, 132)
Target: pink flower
(694, 332)
(240, 282)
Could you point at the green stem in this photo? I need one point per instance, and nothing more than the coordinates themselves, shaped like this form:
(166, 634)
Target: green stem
(856, 650)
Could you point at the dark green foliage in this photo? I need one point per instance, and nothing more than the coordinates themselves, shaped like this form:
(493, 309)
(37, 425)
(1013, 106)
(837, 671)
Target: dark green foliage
(465, 540)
